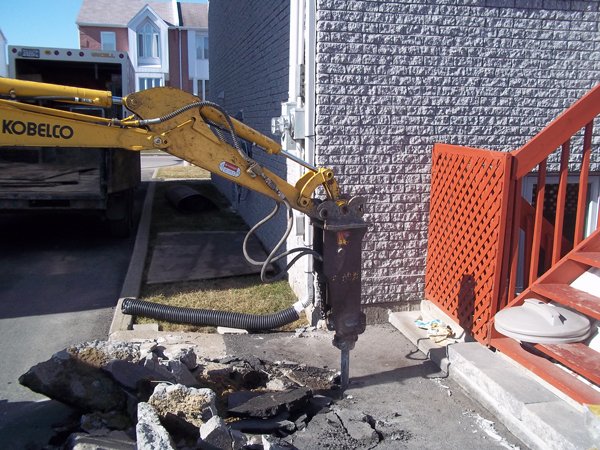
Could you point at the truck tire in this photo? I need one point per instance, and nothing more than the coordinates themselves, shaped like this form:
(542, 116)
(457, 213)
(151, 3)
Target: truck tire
(119, 213)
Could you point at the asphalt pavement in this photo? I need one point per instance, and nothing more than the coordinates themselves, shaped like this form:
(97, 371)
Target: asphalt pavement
(60, 276)
(60, 279)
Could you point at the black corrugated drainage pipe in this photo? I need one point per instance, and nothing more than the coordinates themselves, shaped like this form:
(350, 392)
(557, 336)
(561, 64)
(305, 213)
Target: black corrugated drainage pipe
(209, 317)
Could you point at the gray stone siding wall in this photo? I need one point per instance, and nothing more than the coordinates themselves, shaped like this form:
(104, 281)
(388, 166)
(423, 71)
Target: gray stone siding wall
(249, 52)
(394, 77)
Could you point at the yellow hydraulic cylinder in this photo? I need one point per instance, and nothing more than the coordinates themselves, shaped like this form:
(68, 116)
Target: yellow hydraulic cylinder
(20, 89)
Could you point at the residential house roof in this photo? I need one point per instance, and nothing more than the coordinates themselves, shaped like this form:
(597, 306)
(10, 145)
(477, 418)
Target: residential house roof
(119, 13)
(194, 15)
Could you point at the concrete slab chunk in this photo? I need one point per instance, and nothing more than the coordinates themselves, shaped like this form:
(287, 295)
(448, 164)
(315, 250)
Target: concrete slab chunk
(405, 323)
(182, 374)
(265, 426)
(71, 381)
(215, 433)
(183, 409)
(356, 425)
(129, 374)
(272, 403)
(150, 434)
(112, 441)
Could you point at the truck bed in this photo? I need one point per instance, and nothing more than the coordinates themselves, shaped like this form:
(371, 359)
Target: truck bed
(55, 178)
(23, 177)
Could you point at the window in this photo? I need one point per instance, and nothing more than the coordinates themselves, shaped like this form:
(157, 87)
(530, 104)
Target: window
(147, 83)
(148, 40)
(108, 40)
(202, 89)
(201, 46)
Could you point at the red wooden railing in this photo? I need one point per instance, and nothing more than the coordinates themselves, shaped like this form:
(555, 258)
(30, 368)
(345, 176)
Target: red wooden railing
(477, 212)
(556, 137)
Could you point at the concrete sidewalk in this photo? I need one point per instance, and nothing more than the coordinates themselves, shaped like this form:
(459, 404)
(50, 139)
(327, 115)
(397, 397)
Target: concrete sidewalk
(533, 412)
(389, 377)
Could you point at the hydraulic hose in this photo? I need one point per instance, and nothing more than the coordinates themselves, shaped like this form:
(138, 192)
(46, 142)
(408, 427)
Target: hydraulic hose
(272, 257)
(209, 317)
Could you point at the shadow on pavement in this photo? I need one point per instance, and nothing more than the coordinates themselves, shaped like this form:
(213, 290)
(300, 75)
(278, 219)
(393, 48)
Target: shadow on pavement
(398, 375)
(54, 263)
(29, 425)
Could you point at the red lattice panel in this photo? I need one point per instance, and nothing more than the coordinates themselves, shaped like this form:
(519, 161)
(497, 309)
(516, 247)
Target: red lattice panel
(466, 232)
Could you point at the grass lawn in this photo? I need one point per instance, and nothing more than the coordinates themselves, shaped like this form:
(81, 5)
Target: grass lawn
(246, 294)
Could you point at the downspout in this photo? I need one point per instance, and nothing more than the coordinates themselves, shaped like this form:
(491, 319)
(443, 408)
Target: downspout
(180, 60)
(175, 6)
(179, 25)
(294, 104)
(302, 58)
(297, 121)
(310, 38)
(310, 49)
(296, 12)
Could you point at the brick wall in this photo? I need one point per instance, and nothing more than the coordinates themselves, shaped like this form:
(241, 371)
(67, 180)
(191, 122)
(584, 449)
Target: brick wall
(178, 61)
(90, 37)
(394, 77)
(249, 50)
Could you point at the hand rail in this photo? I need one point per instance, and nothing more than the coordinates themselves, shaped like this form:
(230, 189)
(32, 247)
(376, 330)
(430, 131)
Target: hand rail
(557, 132)
(557, 135)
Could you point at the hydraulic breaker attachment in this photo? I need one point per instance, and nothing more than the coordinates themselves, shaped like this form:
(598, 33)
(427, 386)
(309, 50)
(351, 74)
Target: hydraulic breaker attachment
(340, 236)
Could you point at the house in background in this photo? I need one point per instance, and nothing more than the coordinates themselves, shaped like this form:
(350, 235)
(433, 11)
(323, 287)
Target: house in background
(3, 63)
(167, 41)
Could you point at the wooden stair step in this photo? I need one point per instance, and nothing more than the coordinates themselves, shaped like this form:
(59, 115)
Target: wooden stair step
(590, 258)
(568, 296)
(549, 372)
(576, 356)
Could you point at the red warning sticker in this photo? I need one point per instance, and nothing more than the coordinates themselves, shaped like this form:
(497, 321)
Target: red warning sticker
(230, 169)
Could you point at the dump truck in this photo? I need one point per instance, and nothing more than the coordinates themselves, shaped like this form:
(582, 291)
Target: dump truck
(101, 181)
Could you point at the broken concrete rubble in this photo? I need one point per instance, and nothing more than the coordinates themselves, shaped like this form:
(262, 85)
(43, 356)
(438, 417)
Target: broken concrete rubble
(272, 403)
(174, 398)
(112, 420)
(74, 382)
(113, 440)
(186, 355)
(215, 434)
(182, 374)
(99, 353)
(183, 409)
(359, 426)
(150, 434)
(278, 425)
(270, 443)
(129, 375)
(154, 363)
(347, 434)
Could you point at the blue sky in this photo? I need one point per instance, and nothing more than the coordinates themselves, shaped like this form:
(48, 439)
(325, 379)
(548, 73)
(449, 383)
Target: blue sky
(43, 23)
